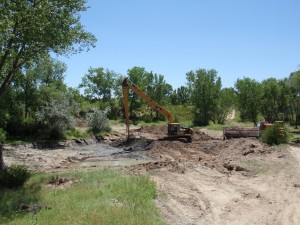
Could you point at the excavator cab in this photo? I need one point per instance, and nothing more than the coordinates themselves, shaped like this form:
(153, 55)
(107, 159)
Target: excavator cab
(176, 131)
(173, 128)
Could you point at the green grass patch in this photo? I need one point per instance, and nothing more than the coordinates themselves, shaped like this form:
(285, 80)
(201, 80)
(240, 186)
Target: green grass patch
(99, 197)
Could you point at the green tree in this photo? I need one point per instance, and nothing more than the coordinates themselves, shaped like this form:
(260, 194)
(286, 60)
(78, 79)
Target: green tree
(144, 80)
(249, 94)
(270, 102)
(225, 105)
(31, 29)
(160, 91)
(31, 88)
(294, 82)
(285, 99)
(99, 84)
(180, 96)
(205, 87)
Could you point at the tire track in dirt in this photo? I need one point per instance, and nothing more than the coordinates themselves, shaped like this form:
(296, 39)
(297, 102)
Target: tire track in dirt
(205, 196)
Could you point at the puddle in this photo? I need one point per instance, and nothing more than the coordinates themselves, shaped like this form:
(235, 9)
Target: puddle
(102, 155)
(115, 163)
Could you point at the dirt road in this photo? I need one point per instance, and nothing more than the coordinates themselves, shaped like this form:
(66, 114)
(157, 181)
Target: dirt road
(205, 196)
(208, 181)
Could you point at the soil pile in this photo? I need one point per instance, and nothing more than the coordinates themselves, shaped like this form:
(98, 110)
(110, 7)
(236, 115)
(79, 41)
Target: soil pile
(225, 156)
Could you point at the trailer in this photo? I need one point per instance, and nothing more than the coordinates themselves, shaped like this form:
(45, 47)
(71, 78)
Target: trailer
(240, 132)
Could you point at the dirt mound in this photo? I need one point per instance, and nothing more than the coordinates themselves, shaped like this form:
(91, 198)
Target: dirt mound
(225, 156)
(133, 143)
(201, 136)
(156, 130)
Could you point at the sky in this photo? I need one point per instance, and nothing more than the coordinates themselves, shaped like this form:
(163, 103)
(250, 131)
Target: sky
(258, 39)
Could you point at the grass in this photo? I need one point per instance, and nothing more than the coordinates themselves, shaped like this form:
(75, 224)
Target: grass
(100, 197)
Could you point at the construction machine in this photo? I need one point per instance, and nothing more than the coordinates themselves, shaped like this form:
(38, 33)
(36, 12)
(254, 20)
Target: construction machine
(240, 132)
(175, 130)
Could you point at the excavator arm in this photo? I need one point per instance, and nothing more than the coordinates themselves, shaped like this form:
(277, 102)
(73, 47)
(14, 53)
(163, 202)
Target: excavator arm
(126, 85)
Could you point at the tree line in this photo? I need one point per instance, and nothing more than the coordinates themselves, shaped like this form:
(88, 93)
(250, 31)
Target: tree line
(38, 100)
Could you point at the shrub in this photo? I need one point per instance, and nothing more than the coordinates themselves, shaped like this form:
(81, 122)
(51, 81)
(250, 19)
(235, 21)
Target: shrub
(58, 117)
(14, 176)
(273, 135)
(98, 121)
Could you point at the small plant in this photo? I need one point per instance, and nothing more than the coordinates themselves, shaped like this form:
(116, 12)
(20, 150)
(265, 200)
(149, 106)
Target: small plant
(14, 176)
(274, 135)
(98, 121)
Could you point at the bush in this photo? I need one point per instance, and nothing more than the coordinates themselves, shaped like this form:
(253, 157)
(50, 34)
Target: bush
(273, 135)
(14, 176)
(58, 117)
(98, 121)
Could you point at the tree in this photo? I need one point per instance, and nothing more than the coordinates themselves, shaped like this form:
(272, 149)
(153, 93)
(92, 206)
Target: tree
(184, 95)
(159, 90)
(41, 82)
(294, 83)
(31, 29)
(99, 84)
(285, 99)
(181, 96)
(248, 98)
(225, 105)
(144, 80)
(205, 88)
(270, 102)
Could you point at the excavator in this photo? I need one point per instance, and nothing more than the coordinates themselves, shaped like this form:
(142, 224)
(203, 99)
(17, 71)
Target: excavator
(175, 130)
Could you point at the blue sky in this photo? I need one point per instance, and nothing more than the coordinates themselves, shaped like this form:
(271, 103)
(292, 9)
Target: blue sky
(258, 39)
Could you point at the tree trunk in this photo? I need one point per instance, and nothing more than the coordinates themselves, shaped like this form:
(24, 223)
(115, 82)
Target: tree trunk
(2, 165)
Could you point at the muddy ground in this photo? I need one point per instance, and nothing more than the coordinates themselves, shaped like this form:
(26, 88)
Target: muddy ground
(208, 181)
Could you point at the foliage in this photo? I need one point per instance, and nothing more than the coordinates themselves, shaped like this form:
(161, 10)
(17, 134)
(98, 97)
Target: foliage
(294, 84)
(98, 84)
(272, 100)
(2, 135)
(274, 135)
(31, 29)
(98, 121)
(181, 96)
(14, 176)
(58, 116)
(140, 77)
(226, 103)
(159, 90)
(154, 85)
(205, 88)
(249, 95)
